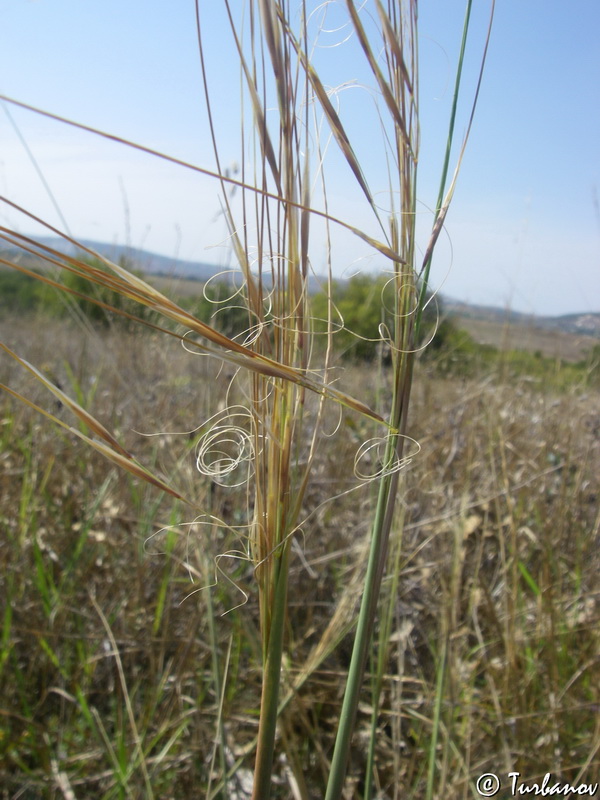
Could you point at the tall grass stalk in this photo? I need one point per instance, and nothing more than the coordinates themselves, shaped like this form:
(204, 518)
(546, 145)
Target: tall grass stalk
(411, 287)
(273, 434)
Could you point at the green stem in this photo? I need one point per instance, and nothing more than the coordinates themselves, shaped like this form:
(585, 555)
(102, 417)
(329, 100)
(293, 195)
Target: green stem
(382, 658)
(377, 555)
(382, 523)
(214, 646)
(270, 689)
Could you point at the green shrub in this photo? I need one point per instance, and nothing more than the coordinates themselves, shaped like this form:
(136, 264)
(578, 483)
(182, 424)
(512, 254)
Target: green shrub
(591, 364)
(217, 307)
(18, 292)
(361, 306)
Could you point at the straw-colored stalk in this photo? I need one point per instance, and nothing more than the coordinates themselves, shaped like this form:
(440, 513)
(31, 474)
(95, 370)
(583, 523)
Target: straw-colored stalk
(274, 264)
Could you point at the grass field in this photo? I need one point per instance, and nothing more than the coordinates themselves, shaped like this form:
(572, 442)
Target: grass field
(128, 671)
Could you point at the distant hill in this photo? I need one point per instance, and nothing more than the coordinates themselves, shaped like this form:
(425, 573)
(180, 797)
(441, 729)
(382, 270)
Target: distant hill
(144, 260)
(570, 337)
(586, 324)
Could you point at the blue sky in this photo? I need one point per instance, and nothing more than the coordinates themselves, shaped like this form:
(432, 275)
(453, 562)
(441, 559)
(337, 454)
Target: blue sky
(524, 230)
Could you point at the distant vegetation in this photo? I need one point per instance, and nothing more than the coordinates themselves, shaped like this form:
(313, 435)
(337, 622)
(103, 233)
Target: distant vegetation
(358, 315)
(18, 292)
(218, 304)
(362, 311)
(22, 294)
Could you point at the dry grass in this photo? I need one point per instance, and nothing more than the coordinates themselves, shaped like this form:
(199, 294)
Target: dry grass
(499, 573)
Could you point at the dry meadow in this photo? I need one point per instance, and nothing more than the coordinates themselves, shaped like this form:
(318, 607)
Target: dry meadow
(129, 646)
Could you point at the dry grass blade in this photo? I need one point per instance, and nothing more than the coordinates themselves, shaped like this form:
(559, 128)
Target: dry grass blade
(269, 23)
(139, 750)
(336, 127)
(392, 42)
(261, 122)
(383, 85)
(96, 301)
(119, 457)
(333, 118)
(96, 427)
(268, 153)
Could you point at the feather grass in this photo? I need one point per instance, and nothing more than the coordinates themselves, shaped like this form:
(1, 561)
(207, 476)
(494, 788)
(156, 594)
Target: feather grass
(285, 402)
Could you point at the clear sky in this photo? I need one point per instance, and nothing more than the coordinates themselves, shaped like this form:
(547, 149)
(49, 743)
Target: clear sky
(524, 230)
